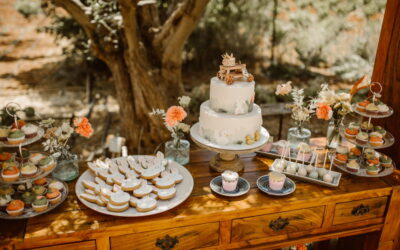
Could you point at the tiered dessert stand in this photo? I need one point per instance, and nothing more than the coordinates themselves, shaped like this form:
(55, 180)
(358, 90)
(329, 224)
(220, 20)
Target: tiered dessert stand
(29, 212)
(228, 155)
(388, 141)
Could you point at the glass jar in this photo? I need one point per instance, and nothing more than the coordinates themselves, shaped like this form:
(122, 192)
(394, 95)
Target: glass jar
(67, 170)
(178, 152)
(333, 137)
(297, 135)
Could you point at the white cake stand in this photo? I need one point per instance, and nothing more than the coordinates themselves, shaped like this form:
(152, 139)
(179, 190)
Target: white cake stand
(228, 155)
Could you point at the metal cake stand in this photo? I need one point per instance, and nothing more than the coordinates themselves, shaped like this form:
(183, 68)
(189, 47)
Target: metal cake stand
(228, 155)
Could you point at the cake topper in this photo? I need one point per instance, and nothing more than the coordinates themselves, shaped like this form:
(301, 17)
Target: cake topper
(230, 71)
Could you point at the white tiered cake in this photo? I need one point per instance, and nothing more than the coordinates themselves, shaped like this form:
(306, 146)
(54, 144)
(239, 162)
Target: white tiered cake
(230, 116)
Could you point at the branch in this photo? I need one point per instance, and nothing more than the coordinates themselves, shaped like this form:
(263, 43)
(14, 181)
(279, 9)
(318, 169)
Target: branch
(192, 12)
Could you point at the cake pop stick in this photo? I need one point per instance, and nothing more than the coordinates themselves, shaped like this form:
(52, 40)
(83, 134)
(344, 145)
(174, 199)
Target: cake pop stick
(303, 160)
(284, 152)
(326, 155)
(330, 167)
(316, 159)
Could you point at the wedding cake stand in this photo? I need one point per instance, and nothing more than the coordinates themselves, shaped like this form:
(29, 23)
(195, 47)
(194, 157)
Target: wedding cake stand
(228, 155)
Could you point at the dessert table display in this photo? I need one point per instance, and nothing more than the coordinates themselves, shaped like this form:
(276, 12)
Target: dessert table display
(134, 186)
(363, 159)
(230, 123)
(359, 206)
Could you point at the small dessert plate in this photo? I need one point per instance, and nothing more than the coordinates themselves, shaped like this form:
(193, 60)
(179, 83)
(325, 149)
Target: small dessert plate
(263, 185)
(243, 187)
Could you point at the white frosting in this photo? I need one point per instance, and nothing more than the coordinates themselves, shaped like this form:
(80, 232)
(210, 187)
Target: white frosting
(225, 129)
(120, 198)
(230, 176)
(236, 98)
(29, 129)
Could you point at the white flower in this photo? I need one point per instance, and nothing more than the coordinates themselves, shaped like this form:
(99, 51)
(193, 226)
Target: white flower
(58, 132)
(183, 127)
(284, 89)
(343, 97)
(184, 101)
(160, 112)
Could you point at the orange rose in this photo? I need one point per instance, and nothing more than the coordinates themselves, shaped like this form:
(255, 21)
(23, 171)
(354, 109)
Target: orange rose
(174, 115)
(83, 127)
(324, 111)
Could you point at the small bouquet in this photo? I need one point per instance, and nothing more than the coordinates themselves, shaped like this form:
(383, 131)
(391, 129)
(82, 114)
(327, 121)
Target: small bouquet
(173, 119)
(302, 110)
(57, 136)
(331, 104)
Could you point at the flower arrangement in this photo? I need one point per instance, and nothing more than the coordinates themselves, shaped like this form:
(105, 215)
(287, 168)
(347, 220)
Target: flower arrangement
(57, 136)
(173, 119)
(301, 109)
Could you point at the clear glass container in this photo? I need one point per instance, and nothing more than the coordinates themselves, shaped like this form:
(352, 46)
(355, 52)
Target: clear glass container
(179, 153)
(297, 135)
(67, 170)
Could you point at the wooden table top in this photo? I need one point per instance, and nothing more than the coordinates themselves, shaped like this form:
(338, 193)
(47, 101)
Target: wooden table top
(73, 220)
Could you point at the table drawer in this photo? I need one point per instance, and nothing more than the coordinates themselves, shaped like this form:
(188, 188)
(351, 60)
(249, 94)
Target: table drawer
(203, 235)
(84, 245)
(277, 224)
(359, 210)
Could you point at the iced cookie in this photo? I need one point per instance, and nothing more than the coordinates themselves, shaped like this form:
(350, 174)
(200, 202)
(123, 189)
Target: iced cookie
(165, 194)
(174, 173)
(119, 198)
(106, 193)
(89, 197)
(143, 190)
(114, 208)
(165, 182)
(91, 185)
(130, 184)
(145, 204)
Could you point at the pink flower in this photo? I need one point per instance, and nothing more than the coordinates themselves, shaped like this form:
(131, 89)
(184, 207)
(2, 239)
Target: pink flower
(174, 115)
(324, 111)
(83, 127)
(284, 89)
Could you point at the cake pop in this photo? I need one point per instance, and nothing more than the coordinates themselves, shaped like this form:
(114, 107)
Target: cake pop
(302, 171)
(328, 177)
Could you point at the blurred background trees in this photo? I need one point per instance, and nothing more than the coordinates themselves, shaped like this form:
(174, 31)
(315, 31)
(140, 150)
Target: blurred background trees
(306, 41)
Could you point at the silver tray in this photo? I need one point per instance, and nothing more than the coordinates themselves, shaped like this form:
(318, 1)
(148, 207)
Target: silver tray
(388, 140)
(353, 107)
(38, 175)
(363, 171)
(39, 135)
(335, 182)
(29, 212)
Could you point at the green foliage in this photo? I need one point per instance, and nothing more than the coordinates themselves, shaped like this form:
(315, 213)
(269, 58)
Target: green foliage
(28, 7)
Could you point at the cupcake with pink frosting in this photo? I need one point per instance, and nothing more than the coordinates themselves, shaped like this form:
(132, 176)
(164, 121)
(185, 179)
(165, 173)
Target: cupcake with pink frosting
(229, 180)
(268, 146)
(276, 180)
(283, 148)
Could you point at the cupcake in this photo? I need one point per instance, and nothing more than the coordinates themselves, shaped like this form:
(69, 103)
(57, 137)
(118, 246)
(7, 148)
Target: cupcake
(16, 137)
(40, 204)
(356, 151)
(5, 156)
(371, 109)
(380, 130)
(373, 160)
(9, 163)
(373, 169)
(4, 131)
(47, 163)
(353, 166)
(39, 190)
(229, 181)
(352, 156)
(276, 180)
(383, 109)
(10, 174)
(303, 152)
(28, 198)
(29, 169)
(30, 130)
(350, 133)
(54, 196)
(283, 148)
(21, 124)
(15, 208)
(6, 190)
(362, 105)
(268, 146)
(366, 126)
(362, 138)
(4, 200)
(375, 139)
(36, 157)
(22, 188)
(341, 155)
(385, 161)
(54, 184)
(23, 156)
(41, 182)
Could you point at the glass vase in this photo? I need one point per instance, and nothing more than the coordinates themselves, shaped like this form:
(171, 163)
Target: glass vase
(297, 135)
(178, 152)
(333, 137)
(67, 170)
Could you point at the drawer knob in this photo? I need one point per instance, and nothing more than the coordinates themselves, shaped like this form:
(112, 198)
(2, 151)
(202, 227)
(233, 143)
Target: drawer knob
(360, 210)
(279, 224)
(167, 242)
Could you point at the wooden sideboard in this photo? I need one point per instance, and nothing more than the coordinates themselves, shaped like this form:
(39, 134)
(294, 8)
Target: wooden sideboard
(206, 220)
